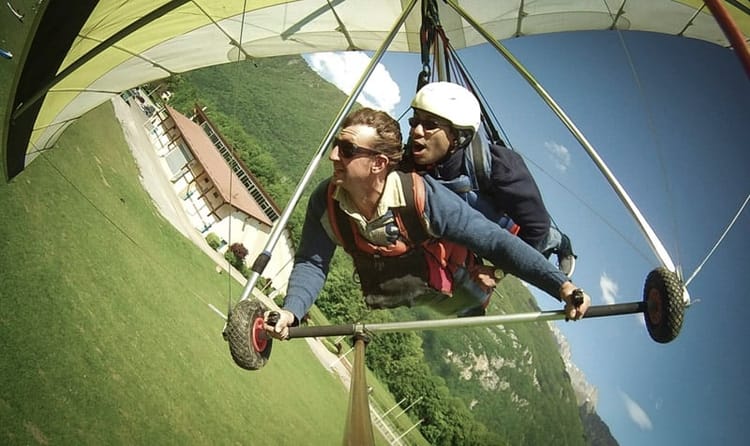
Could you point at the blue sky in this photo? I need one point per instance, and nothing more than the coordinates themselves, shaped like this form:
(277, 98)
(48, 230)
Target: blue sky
(670, 116)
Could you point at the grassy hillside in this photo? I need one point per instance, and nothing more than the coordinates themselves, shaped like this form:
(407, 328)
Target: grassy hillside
(106, 336)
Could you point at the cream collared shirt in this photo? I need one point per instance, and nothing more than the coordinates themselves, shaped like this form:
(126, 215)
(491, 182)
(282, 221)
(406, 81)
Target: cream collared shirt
(375, 230)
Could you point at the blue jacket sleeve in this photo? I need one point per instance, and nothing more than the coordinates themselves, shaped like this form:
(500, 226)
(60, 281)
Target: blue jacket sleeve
(313, 257)
(515, 191)
(453, 219)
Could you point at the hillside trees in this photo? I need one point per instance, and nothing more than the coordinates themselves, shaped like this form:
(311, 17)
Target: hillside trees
(398, 361)
(341, 298)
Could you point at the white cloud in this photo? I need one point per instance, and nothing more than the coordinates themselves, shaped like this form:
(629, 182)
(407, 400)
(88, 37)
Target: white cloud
(609, 289)
(344, 69)
(637, 414)
(559, 154)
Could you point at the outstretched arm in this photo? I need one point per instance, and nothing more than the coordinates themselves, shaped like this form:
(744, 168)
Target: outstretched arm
(311, 264)
(453, 219)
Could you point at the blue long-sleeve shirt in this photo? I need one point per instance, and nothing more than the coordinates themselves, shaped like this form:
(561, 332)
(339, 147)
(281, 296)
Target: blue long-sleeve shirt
(448, 217)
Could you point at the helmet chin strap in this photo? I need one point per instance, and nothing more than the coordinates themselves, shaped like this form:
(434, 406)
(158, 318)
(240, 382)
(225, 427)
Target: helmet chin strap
(462, 140)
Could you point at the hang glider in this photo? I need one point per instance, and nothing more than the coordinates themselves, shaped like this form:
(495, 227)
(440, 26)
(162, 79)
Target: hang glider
(101, 48)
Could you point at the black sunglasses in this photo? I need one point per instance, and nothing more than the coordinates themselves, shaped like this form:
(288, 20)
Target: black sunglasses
(427, 124)
(348, 149)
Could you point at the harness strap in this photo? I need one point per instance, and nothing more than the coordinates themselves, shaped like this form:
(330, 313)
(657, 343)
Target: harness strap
(338, 220)
(480, 162)
(415, 265)
(408, 218)
(411, 214)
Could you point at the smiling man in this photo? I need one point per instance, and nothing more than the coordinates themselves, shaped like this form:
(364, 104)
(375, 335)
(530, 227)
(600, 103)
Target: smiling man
(411, 239)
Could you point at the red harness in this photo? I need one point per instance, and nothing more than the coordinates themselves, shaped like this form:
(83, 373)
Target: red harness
(414, 253)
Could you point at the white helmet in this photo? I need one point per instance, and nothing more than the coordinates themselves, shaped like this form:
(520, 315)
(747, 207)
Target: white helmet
(451, 102)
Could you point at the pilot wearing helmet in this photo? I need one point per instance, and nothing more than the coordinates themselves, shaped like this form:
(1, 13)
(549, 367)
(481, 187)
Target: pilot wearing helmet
(443, 142)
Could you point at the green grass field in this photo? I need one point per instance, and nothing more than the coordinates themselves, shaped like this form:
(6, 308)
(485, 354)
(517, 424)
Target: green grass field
(106, 336)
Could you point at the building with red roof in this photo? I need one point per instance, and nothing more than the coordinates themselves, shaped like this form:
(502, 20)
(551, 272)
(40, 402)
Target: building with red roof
(218, 192)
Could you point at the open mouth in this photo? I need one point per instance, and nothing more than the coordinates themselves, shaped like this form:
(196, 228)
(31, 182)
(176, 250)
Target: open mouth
(417, 148)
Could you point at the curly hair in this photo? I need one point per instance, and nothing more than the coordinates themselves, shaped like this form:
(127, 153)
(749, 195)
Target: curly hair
(389, 140)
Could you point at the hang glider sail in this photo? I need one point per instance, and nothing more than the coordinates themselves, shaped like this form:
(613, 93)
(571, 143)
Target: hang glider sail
(104, 47)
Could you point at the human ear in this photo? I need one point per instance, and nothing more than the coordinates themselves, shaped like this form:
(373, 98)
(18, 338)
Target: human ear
(380, 163)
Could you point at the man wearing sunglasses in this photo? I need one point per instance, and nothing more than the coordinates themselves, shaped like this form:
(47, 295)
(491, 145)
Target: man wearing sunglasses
(370, 196)
(443, 132)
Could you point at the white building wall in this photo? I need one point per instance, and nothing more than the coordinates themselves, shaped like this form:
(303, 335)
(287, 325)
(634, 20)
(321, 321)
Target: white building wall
(244, 229)
(254, 236)
(282, 261)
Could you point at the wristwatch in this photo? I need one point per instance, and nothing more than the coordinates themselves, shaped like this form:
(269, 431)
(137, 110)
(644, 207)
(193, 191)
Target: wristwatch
(576, 297)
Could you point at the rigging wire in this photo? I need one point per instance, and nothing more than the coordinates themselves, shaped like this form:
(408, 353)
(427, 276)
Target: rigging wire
(726, 231)
(455, 66)
(487, 111)
(487, 114)
(45, 156)
(230, 170)
(644, 255)
(650, 122)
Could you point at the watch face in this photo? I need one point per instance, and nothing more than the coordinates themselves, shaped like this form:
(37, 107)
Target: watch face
(577, 297)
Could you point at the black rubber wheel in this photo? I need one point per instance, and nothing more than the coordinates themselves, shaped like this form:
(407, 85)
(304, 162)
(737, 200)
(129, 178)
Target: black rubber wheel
(665, 307)
(248, 345)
